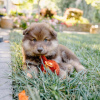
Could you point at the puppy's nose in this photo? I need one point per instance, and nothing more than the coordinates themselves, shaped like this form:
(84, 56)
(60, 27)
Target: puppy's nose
(40, 49)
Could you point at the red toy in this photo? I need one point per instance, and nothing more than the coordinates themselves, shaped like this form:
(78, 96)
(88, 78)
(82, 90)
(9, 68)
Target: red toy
(51, 64)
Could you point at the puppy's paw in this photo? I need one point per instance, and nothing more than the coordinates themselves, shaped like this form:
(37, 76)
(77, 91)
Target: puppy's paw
(84, 71)
(29, 75)
(69, 69)
(62, 74)
(81, 68)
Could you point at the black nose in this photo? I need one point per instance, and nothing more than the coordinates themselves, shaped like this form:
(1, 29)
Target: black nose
(40, 49)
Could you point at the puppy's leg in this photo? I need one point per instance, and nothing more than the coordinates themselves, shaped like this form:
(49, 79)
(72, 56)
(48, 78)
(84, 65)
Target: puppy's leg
(77, 66)
(62, 74)
(72, 59)
(67, 67)
(65, 70)
(32, 69)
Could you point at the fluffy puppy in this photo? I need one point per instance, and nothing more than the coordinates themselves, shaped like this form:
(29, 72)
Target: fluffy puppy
(41, 39)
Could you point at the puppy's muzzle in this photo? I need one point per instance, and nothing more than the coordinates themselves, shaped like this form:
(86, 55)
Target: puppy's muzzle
(39, 49)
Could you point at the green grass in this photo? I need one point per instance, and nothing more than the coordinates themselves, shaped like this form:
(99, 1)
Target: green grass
(50, 87)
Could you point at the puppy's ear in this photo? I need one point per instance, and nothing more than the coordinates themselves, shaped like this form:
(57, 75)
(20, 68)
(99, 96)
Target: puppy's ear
(25, 31)
(53, 33)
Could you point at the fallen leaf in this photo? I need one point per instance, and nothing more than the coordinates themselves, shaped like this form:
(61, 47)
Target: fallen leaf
(22, 95)
(6, 41)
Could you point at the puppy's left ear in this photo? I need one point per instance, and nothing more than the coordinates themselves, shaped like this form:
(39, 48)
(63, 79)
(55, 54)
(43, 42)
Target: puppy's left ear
(25, 31)
(53, 33)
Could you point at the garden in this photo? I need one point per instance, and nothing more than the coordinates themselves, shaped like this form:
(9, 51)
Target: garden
(70, 15)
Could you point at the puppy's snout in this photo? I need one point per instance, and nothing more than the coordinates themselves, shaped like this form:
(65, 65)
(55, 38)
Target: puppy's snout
(40, 49)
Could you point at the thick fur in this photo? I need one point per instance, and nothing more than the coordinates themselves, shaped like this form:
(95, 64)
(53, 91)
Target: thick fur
(41, 39)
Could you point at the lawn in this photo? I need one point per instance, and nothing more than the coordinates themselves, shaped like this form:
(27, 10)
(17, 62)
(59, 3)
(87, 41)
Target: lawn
(50, 87)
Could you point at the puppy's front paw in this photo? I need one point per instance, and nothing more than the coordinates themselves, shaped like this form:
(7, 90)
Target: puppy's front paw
(29, 75)
(62, 74)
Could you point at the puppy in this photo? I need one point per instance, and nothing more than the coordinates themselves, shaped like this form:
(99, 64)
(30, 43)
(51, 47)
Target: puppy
(41, 39)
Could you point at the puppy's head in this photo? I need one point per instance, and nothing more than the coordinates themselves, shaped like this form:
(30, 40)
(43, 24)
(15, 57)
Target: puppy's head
(39, 39)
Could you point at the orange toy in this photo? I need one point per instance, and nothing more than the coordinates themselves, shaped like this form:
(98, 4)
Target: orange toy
(22, 95)
(51, 64)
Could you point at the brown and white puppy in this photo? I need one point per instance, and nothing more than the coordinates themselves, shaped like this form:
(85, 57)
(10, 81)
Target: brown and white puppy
(41, 39)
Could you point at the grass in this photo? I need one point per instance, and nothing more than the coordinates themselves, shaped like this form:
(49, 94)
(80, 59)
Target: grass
(50, 87)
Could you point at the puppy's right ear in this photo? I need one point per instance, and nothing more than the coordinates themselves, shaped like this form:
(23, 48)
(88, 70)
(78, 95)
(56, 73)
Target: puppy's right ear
(25, 31)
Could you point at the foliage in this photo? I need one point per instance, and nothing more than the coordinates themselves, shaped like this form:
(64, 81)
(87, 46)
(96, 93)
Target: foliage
(63, 4)
(97, 16)
(60, 6)
(47, 13)
(94, 3)
(23, 25)
(24, 21)
(72, 21)
(88, 10)
(73, 13)
(15, 13)
(50, 4)
(90, 1)
(26, 4)
(96, 12)
(50, 87)
(3, 14)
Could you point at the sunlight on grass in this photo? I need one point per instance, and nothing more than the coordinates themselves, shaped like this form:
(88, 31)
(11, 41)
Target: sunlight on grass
(50, 87)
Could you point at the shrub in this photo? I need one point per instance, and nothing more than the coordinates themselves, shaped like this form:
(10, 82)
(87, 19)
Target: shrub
(72, 21)
(47, 13)
(15, 13)
(73, 13)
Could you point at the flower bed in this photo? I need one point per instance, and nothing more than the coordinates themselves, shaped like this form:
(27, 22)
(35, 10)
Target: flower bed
(23, 22)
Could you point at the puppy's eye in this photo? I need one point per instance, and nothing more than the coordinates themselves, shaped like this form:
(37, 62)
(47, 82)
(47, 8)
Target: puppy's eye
(34, 40)
(45, 40)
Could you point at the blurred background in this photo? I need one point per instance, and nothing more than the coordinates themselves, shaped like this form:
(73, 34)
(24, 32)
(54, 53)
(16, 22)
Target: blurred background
(62, 15)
